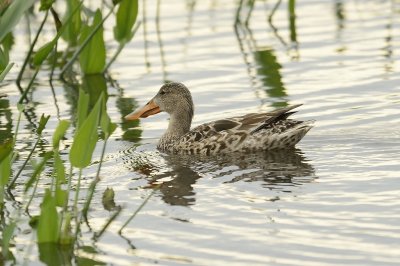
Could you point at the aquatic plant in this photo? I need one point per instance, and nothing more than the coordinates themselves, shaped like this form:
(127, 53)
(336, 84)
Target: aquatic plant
(54, 225)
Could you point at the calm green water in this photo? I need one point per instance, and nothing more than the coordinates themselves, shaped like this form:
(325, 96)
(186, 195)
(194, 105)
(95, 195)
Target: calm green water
(333, 201)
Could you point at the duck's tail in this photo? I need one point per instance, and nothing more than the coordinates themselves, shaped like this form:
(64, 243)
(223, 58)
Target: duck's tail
(294, 134)
(284, 134)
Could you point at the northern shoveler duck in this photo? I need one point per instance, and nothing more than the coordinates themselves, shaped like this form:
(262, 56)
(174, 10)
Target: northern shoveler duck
(247, 133)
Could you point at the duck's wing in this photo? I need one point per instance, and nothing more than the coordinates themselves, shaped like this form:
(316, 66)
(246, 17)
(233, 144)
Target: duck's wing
(241, 125)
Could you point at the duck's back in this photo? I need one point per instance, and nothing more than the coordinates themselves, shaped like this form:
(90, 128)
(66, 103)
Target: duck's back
(251, 132)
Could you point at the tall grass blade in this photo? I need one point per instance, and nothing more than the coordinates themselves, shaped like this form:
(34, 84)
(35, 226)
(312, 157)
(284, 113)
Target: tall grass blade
(4, 59)
(5, 149)
(47, 231)
(59, 175)
(59, 168)
(5, 166)
(108, 128)
(86, 138)
(8, 232)
(5, 71)
(5, 172)
(59, 133)
(125, 19)
(93, 57)
(83, 107)
(12, 15)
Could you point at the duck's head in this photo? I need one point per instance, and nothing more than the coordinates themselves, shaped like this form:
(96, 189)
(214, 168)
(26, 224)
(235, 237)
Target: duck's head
(173, 98)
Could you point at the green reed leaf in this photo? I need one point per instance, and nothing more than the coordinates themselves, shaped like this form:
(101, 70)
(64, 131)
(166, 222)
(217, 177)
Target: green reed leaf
(4, 59)
(86, 138)
(125, 19)
(5, 71)
(8, 232)
(5, 170)
(105, 122)
(57, 20)
(59, 175)
(59, 133)
(42, 123)
(8, 41)
(66, 236)
(5, 161)
(20, 107)
(61, 197)
(38, 170)
(46, 4)
(59, 169)
(83, 107)
(12, 15)
(47, 230)
(43, 53)
(5, 149)
(46, 49)
(108, 199)
(92, 59)
(73, 22)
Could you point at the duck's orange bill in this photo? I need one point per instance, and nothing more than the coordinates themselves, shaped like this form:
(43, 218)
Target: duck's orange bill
(151, 108)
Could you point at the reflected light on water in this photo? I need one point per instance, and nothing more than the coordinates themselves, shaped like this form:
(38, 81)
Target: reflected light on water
(332, 201)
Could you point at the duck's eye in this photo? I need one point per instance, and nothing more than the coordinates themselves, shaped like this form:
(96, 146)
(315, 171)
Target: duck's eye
(162, 92)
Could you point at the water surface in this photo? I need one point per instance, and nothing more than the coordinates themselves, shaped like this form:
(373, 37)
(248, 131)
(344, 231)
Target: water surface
(332, 201)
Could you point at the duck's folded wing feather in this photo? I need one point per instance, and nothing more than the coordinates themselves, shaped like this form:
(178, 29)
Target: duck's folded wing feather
(246, 124)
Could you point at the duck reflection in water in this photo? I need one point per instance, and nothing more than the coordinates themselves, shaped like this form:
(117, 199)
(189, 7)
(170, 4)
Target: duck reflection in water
(176, 174)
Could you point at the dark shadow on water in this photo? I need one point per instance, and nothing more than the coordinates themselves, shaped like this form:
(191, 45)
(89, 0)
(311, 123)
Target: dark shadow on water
(269, 71)
(273, 169)
(263, 62)
(276, 170)
(340, 15)
(388, 47)
(125, 106)
(146, 41)
(53, 254)
(5, 116)
(173, 173)
(160, 41)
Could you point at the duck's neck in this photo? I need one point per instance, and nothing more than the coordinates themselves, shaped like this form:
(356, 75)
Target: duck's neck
(179, 125)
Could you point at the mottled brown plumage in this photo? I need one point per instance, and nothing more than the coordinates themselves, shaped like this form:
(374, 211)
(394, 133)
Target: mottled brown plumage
(247, 133)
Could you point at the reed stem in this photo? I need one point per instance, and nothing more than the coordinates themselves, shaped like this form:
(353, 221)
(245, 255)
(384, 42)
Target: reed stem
(28, 56)
(23, 96)
(95, 181)
(137, 210)
(12, 183)
(87, 40)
